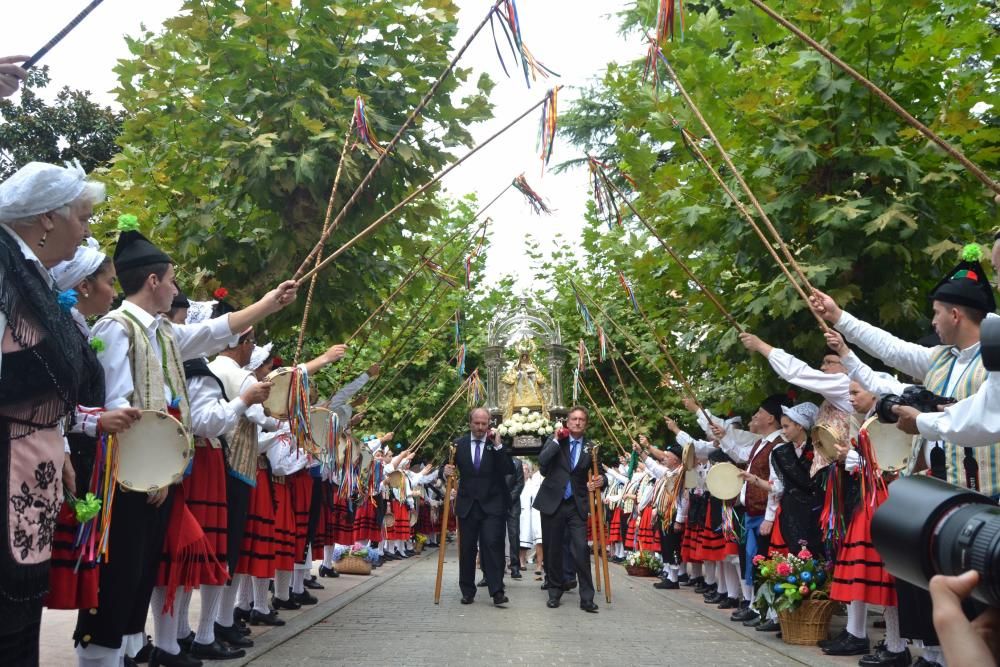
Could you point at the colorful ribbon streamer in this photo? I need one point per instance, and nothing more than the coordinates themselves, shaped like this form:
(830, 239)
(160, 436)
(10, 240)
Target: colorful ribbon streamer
(628, 290)
(440, 273)
(510, 24)
(548, 126)
(363, 129)
(667, 16)
(535, 200)
(602, 343)
(473, 255)
(460, 361)
(581, 307)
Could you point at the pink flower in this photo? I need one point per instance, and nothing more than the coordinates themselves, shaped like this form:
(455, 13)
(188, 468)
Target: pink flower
(804, 590)
(759, 558)
(805, 554)
(784, 569)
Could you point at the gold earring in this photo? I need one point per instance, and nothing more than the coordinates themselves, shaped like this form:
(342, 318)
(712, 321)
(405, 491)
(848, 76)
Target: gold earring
(41, 241)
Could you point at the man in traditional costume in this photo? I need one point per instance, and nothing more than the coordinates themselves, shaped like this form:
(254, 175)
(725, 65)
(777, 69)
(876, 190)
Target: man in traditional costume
(142, 357)
(954, 369)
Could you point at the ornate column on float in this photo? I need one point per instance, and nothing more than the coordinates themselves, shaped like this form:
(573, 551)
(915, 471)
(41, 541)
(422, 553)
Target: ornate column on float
(557, 355)
(494, 366)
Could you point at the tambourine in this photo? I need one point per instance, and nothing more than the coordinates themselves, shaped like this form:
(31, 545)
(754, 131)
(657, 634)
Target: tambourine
(690, 479)
(724, 481)
(825, 438)
(153, 453)
(396, 480)
(893, 447)
(320, 427)
(688, 457)
(276, 404)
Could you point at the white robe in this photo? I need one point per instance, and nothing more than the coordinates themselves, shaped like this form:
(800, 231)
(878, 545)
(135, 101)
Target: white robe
(531, 519)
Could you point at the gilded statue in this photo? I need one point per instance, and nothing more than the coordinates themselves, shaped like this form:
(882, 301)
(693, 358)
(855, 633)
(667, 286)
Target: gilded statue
(523, 385)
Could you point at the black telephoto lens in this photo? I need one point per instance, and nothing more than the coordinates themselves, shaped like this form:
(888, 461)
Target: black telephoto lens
(929, 527)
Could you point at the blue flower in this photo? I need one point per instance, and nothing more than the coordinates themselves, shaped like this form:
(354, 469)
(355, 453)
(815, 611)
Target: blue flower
(806, 576)
(67, 299)
(792, 579)
(778, 588)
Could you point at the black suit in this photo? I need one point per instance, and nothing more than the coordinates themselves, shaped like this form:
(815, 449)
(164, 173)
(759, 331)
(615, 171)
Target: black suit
(565, 519)
(481, 508)
(515, 484)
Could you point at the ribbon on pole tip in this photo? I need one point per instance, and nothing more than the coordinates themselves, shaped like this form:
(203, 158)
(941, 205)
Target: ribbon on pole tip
(460, 361)
(363, 129)
(548, 126)
(581, 307)
(602, 344)
(510, 24)
(535, 200)
(628, 290)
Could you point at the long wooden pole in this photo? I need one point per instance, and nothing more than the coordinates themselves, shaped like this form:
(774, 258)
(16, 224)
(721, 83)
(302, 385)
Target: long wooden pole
(430, 339)
(666, 246)
(396, 138)
(602, 528)
(974, 169)
(604, 421)
(422, 189)
(596, 540)
(743, 186)
(445, 512)
(59, 35)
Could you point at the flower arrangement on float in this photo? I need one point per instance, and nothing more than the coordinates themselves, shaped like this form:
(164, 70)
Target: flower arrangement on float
(527, 422)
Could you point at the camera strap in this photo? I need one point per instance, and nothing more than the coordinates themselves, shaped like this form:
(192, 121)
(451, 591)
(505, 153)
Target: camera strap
(971, 469)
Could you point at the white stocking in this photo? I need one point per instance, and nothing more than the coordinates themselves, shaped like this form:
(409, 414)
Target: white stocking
(244, 591)
(893, 642)
(857, 613)
(282, 582)
(934, 654)
(164, 625)
(226, 606)
(98, 656)
(733, 587)
(211, 599)
(260, 602)
(710, 569)
(695, 570)
(298, 581)
(181, 606)
(328, 556)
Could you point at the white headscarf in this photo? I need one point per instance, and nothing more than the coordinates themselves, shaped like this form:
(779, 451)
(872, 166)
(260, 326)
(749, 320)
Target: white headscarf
(38, 188)
(803, 414)
(87, 259)
(199, 311)
(259, 356)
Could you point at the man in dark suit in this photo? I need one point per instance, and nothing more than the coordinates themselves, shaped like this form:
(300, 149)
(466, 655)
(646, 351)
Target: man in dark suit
(481, 506)
(563, 503)
(515, 484)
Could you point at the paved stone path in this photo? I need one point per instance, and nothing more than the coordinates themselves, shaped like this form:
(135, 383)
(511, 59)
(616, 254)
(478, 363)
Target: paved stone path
(396, 622)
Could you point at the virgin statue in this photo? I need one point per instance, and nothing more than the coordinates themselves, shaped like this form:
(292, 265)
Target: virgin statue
(523, 385)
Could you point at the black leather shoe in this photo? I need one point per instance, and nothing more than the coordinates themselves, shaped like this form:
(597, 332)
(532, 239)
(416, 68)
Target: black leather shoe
(545, 586)
(313, 584)
(702, 588)
(215, 651)
(589, 607)
(241, 614)
(752, 622)
(922, 662)
(232, 636)
(692, 582)
(257, 618)
(158, 657)
(666, 585)
(242, 627)
(569, 586)
(468, 599)
(278, 603)
(552, 604)
(729, 603)
(500, 599)
(482, 583)
(403, 555)
(515, 574)
(410, 552)
(886, 658)
(328, 572)
(744, 614)
(716, 598)
(185, 642)
(143, 655)
(823, 643)
(768, 626)
(303, 599)
(849, 645)
(128, 662)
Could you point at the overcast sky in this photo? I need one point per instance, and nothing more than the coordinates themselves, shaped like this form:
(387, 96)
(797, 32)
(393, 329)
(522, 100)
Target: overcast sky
(575, 38)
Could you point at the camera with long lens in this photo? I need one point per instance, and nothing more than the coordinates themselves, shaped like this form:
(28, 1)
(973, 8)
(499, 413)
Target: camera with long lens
(989, 336)
(915, 396)
(929, 527)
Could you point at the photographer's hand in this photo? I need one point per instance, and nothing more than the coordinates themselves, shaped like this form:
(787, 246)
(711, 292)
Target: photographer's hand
(965, 643)
(907, 419)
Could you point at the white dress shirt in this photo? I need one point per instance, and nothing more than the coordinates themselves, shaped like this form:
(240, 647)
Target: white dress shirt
(738, 445)
(211, 414)
(192, 340)
(834, 387)
(972, 422)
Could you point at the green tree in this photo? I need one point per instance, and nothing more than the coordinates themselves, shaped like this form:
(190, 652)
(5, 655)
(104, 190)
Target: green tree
(238, 117)
(71, 127)
(874, 213)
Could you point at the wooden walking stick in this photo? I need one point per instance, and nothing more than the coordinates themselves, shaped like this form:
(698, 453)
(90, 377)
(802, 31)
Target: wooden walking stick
(601, 526)
(445, 512)
(595, 541)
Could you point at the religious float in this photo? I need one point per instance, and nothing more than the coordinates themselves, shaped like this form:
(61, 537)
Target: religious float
(525, 405)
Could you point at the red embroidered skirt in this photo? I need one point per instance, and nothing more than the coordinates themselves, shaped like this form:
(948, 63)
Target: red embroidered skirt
(859, 573)
(615, 529)
(284, 527)
(69, 589)
(205, 494)
(713, 544)
(401, 529)
(257, 549)
(365, 527)
(424, 523)
(646, 536)
(301, 487)
(691, 542)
